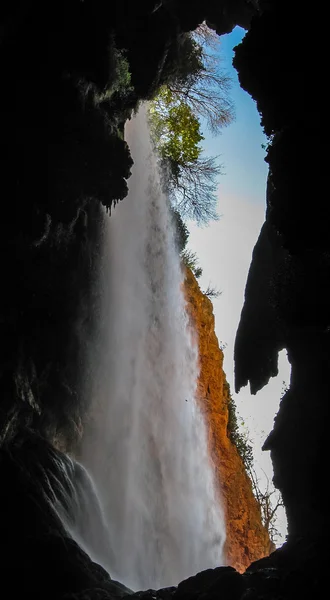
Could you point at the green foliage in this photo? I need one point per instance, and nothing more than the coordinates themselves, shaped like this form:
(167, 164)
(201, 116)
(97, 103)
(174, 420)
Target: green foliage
(181, 232)
(123, 75)
(235, 435)
(199, 81)
(119, 77)
(190, 259)
(184, 136)
(190, 178)
(195, 88)
(175, 129)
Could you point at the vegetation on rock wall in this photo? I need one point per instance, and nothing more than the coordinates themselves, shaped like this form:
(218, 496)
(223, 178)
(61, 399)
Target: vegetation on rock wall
(190, 260)
(247, 538)
(235, 434)
(268, 498)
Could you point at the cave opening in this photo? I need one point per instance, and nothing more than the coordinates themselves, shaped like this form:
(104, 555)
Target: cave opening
(73, 73)
(225, 248)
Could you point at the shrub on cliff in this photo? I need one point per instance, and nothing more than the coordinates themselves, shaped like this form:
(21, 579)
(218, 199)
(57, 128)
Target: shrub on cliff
(190, 259)
(119, 82)
(212, 292)
(235, 435)
(268, 498)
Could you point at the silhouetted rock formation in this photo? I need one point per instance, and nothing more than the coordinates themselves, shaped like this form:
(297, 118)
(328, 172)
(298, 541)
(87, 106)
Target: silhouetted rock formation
(66, 95)
(281, 575)
(75, 71)
(288, 293)
(38, 557)
(260, 324)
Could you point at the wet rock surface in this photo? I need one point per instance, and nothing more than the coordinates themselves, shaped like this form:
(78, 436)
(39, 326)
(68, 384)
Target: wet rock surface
(295, 571)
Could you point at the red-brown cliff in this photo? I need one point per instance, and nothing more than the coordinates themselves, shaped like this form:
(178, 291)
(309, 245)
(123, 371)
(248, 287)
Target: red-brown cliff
(247, 539)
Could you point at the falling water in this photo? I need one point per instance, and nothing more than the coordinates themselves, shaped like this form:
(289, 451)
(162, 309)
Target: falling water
(145, 445)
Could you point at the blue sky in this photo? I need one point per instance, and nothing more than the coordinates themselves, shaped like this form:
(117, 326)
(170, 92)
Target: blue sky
(225, 248)
(239, 145)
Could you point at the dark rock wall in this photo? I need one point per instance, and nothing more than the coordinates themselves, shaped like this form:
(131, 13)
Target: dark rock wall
(287, 293)
(62, 112)
(63, 157)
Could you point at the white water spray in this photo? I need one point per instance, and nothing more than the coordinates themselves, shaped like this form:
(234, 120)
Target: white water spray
(146, 445)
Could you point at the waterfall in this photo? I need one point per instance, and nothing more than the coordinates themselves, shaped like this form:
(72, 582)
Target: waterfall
(77, 503)
(145, 444)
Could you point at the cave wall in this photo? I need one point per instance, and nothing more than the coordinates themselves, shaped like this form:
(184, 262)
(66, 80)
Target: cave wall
(287, 292)
(63, 160)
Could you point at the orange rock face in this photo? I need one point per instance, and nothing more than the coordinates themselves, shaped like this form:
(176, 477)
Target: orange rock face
(247, 539)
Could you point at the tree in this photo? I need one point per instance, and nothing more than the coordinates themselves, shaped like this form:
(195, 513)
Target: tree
(190, 259)
(269, 501)
(204, 35)
(181, 233)
(175, 129)
(212, 292)
(195, 89)
(236, 436)
(193, 189)
(200, 82)
(190, 178)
